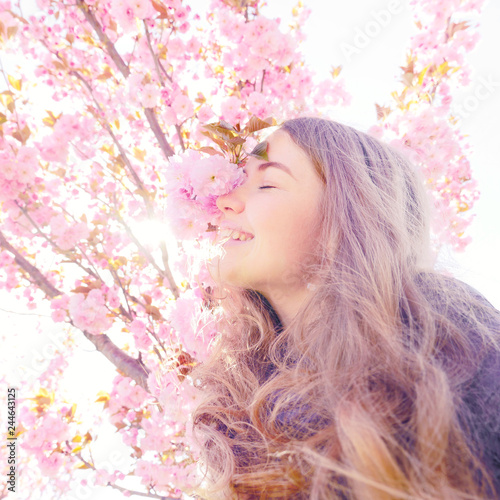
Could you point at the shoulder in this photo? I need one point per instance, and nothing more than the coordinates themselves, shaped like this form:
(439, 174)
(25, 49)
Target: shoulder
(470, 311)
(462, 306)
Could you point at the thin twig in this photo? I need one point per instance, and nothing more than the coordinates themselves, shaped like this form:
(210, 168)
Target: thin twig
(155, 59)
(106, 125)
(138, 493)
(163, 273)
(55, 245)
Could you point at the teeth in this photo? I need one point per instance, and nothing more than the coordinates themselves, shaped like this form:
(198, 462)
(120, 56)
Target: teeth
(235, 235)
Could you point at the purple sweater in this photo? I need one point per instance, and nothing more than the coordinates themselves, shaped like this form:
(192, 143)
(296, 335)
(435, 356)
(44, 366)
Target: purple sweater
(481, 395)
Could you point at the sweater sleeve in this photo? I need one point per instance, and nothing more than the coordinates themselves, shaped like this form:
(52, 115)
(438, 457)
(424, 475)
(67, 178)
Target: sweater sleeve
(483, 404)
(482, 399)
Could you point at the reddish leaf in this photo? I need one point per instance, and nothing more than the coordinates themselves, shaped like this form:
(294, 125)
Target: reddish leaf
(255, 124)
(209, 150)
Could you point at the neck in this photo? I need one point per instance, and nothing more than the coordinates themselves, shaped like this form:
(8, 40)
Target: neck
(287, 303)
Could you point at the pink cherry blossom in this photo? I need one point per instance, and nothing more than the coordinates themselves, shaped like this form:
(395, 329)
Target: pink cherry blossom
(50, 465)
(183, 107)
(89, 312)
(149, 95)
(66, 235)
(231, 110)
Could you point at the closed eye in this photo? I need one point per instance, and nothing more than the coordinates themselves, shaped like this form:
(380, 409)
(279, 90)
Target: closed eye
(266, 187)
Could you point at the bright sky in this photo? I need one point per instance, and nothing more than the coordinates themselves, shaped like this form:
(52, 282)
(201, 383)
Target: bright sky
(370, 77)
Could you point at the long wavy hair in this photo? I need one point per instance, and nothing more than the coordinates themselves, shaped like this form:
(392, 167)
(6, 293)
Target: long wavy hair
(364, 394)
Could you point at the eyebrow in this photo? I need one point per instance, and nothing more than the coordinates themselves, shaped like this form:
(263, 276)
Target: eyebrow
(275, 164)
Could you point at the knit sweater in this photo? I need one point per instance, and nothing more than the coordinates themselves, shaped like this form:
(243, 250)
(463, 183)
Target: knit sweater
(481, 394)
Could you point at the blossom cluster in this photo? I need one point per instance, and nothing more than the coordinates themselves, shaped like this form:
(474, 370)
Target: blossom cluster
(423, 122)
(194, 182)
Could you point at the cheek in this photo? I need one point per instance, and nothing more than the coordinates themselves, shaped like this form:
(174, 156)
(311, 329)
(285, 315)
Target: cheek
(296, 235)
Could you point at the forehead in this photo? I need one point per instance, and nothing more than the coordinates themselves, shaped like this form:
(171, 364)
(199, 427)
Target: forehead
(281, 144)
(279, 141)
(281, 147)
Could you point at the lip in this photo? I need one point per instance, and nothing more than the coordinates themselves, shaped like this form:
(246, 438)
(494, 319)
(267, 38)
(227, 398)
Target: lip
(230, 242)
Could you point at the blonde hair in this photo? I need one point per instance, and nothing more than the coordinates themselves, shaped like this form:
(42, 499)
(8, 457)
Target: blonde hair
(362, 395)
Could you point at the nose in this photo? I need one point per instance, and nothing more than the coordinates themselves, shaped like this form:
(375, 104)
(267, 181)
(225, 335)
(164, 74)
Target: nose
(231, 202)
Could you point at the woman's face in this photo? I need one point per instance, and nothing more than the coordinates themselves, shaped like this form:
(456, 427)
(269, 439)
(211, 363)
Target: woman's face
(278, 209)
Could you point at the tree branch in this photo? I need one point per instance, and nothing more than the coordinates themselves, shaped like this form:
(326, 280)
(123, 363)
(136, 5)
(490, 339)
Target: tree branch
(129, 366)
(125, 71)
(157, 131)
(170, 276)
(53, 244)
(120, 488)
(123, 153)
(179, 135)
(155, 59)
(38, 278)
(163, 273)
(138, 493)
(110, 48)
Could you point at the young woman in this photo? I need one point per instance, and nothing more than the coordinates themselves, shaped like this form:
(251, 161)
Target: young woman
(346, 367)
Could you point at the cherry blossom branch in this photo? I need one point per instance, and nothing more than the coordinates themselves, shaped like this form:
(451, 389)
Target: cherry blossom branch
(128, 313)
(125, 71)
(155, 59)
(55, 245)
(163, 273)
(106, 125)
(129, 366)
(138, 493)
(38, 278)
(110, 48)
(157, 131)
(168, 272)
(153, 123)
(179, 134)
(120, 488)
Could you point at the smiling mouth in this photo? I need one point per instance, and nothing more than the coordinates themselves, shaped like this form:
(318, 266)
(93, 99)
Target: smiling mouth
(226, 234)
